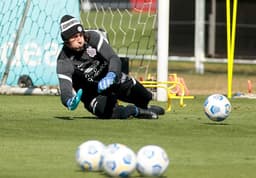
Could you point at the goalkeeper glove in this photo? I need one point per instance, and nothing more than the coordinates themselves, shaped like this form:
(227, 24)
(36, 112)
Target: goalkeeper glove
(73, 102)
(106, 82)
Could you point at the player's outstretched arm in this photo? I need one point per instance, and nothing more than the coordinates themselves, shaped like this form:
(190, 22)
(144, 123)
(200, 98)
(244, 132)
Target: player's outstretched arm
(73, 102)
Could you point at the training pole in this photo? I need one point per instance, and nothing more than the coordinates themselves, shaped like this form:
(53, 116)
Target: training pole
(231, 35)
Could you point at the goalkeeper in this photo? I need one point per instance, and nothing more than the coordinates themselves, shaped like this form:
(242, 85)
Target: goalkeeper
(89, 70)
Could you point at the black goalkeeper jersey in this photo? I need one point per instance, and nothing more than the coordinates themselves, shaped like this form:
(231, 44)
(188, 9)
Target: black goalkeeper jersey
(85, 68)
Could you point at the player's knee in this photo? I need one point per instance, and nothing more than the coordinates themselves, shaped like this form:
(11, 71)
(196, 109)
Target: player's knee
(102, 106)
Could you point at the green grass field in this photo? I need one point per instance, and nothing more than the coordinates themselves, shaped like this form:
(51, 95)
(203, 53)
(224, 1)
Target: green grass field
(39, 137)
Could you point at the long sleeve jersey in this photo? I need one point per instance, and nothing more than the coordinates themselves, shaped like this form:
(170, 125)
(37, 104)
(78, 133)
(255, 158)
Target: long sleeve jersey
(85, 68)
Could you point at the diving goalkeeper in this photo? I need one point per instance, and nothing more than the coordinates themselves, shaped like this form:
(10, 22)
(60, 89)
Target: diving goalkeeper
(89, 70)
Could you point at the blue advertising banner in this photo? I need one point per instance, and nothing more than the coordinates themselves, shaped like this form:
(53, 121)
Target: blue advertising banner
(39, 41)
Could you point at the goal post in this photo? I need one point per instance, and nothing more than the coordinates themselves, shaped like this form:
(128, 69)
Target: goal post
(162, 47)
(139, 30)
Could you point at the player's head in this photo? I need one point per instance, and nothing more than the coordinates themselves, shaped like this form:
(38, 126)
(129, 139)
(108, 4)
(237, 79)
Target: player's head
(72, 32)
(69, 27)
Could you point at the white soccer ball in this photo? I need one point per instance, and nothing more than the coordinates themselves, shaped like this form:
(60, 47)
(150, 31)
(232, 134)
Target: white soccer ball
(119, 160)
(89, 155)
(217, 107)
(152, 160)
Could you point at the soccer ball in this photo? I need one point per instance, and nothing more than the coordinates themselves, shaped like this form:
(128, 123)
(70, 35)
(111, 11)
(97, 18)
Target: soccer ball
(217, 107)
(152, 160)
(89, 155)
(119, 160)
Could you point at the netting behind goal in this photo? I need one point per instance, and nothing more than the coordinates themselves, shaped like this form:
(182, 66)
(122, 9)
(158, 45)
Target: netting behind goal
(130, 25)
(30, 38)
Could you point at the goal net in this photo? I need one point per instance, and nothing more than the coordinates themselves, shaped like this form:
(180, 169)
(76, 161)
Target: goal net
(30, 38)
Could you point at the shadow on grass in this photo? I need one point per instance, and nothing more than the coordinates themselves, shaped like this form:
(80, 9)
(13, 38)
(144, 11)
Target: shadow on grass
(70, 118)
(108, 176)
(74, 118)
(216, 124)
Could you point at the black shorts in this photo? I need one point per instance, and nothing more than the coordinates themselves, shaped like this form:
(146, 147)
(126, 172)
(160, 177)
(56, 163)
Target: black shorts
(102, 106)
(132, 91)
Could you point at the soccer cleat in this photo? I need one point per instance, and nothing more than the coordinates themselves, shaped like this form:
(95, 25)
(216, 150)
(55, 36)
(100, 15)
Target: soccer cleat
(156, 109)
(146, 114)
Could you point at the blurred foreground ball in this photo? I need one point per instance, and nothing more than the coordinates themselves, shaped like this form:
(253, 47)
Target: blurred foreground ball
(152, 160)
(89, 155)
(119, 160)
